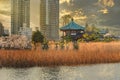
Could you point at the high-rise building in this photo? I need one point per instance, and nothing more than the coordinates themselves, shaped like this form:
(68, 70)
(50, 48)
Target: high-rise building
(1, 29)
(20, 15)
(49, 19)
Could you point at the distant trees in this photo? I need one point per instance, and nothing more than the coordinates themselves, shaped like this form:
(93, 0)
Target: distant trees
(91, 29)
(91, 37)
(91, 33)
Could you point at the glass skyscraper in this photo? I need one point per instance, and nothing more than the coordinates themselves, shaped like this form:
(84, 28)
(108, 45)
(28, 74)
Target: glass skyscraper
(49, 19)
(20, 15)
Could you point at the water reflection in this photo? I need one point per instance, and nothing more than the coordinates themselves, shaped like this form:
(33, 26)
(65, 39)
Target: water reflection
(94, 72)
(51, 73)
(19, 74)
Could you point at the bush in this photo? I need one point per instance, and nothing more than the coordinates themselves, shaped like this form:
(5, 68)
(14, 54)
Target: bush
(67, 38)
(108, 39)
(37, 37)
(81, 40)
(92, 37)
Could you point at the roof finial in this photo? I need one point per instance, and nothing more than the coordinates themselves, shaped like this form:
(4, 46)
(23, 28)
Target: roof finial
(72, 19)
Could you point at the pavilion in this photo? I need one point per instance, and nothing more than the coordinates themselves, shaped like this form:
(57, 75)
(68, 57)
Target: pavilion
(73, 29)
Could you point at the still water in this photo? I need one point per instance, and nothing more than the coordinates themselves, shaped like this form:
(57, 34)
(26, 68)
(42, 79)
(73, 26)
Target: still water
(92, 72)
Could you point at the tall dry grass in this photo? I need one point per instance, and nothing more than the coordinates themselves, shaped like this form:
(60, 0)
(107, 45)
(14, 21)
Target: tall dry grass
(89, 53)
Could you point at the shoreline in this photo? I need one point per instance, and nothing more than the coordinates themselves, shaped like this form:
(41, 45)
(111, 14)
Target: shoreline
(49, 66)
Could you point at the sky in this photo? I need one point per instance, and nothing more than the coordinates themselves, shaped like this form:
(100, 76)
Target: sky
(100, 13)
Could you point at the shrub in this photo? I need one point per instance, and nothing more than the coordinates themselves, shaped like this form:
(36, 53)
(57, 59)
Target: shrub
(37, 37)
(67, 38)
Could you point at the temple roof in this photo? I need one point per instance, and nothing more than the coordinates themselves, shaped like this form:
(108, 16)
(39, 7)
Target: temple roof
(72, 26)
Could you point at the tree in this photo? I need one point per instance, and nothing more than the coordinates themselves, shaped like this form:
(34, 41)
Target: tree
(66, 19)
(91, 37)
(94, 29)
(92, 33)
(91, 29)
(88, 29)
(67, 38)
(37, 37)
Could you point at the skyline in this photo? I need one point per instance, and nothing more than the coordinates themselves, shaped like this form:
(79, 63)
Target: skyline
(102, 13)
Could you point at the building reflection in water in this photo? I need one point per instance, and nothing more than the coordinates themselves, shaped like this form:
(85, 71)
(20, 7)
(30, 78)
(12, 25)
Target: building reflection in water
(19, 74)
(51, 73)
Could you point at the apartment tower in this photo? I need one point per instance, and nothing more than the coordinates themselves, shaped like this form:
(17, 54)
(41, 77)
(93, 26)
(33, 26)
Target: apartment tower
(20, 15)
(49, 19)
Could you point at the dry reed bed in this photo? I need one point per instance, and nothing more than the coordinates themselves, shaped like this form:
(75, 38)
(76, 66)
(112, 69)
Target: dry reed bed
(89, 53)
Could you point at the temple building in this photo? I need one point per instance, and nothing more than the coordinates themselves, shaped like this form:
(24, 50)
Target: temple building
(73, 29)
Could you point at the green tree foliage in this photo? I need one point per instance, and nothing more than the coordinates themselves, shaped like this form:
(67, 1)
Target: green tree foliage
(91, 37)
(67, 38)
(92, 33)
(37, 37)
(108, 39)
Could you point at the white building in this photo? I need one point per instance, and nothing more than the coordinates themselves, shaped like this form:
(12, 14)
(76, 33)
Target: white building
(26, 31)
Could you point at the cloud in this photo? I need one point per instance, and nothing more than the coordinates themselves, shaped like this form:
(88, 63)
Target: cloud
(65, 12)
(106, 3)
(65, 1)
(79, 15)
(104, 11)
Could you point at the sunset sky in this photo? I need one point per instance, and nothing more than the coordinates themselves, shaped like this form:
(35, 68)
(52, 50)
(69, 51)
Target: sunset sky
(101, 13)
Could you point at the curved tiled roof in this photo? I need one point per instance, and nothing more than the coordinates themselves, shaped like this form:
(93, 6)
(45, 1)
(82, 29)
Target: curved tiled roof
(72, 26)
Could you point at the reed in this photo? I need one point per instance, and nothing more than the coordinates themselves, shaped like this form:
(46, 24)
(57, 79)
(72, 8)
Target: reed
(88, 53)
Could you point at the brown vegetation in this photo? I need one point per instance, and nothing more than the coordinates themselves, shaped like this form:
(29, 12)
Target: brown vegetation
(89, 53)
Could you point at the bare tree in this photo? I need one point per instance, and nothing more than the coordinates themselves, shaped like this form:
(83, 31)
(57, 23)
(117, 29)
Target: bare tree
(66, 19)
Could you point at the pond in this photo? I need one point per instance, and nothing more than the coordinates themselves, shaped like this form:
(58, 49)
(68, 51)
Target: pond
(90, 72)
